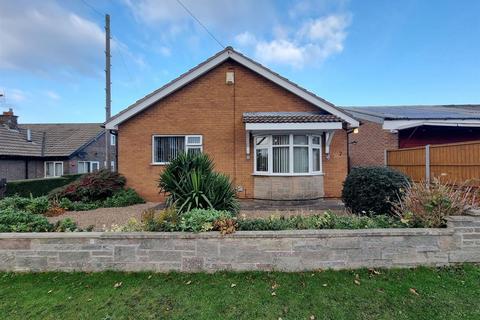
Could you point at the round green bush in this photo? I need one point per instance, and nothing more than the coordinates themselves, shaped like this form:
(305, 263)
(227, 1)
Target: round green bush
(370, 190)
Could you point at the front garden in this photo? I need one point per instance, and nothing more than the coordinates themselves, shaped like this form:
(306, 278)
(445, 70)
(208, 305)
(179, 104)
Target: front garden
(199, 199)
(87, 192)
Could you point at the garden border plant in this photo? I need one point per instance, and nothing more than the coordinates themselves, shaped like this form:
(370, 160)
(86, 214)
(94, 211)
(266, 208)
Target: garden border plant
(190, 182)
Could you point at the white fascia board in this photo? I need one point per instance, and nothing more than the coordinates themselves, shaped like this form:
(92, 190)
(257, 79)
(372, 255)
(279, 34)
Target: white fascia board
(113, 124)
(401, 124)
(293, 126)
(294, 89)
(405, 124)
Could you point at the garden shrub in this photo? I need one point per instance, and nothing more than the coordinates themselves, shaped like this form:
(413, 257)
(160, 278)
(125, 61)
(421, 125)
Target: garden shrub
(65, 225)
(191, 183)
(429, 206)
(165, 220)
(324, 221)
(38, 187)
(123, 198)
(12, 220)
(201, 220)
(37, 205)
(370, 190)
(91, 187)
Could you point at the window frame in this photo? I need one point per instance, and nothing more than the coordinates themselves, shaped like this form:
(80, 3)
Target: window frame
(54, 171)
(186, 144)
(90, 165)
(113, 139)
(310, 145)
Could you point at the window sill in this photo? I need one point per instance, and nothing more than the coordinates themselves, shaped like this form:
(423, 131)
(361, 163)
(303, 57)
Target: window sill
(159, 163)
(287, 174)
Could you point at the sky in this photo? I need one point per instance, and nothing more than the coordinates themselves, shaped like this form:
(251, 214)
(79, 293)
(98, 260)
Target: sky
(349, 52)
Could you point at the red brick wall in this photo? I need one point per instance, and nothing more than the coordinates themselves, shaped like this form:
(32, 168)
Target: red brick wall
(213, 109)
(371, 142)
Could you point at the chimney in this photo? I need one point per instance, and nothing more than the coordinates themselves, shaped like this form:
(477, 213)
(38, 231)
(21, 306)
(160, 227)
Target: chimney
(9, 119)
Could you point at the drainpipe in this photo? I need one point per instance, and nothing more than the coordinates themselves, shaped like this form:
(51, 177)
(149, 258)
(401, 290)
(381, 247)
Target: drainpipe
(26, 168)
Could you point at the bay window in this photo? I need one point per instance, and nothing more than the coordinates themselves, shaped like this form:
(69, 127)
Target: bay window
(288, 154)
(167, 148)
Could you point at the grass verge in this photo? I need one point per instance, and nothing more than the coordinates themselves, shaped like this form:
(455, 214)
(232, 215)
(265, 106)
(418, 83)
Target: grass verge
(421, 293)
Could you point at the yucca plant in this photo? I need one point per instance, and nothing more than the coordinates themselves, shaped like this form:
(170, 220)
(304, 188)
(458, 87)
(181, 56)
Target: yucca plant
(190, 183)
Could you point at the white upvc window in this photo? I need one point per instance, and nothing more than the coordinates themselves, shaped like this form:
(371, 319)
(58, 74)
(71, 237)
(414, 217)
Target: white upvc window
(53, 169)
(88, 166)
(165, 148)
(288, 154)
(113, 139)
(112, 166)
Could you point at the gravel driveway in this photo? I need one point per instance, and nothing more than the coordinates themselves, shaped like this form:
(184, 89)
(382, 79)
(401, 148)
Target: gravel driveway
(104, 217)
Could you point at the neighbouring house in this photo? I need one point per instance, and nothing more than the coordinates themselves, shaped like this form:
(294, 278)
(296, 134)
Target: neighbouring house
(30, 151)
(276, 140)
(398, 127)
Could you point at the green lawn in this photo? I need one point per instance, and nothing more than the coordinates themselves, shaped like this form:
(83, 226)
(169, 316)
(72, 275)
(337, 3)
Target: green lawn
(448, 293)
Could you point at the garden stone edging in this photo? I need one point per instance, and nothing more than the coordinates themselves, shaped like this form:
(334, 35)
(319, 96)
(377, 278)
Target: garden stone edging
(293, 250)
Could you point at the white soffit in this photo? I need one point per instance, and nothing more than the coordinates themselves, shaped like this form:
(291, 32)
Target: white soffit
(405, 124)
(210, 64)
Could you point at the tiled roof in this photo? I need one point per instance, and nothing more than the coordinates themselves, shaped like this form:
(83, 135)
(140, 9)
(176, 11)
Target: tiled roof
(60, 140)
(14, 142)
(288, 117)
(420, 112)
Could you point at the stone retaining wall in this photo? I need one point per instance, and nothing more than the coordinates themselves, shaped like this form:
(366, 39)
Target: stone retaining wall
(266, 250)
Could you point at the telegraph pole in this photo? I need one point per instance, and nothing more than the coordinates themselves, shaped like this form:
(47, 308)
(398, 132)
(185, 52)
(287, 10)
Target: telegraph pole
(108, 98)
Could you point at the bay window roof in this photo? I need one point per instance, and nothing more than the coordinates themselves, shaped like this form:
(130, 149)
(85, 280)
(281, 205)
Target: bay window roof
(288, 117)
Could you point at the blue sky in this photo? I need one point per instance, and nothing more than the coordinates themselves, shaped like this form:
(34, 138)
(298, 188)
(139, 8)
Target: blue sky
(348, 52)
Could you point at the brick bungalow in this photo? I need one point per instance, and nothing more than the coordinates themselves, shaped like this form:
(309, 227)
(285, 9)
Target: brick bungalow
(29, 151)
(276, 140)
(398, 127)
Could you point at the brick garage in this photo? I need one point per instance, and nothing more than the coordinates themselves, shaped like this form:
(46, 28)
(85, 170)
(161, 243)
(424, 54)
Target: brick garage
(213, 109)
(367, 147)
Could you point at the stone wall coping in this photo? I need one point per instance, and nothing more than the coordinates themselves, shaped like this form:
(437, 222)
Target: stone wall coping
(473, 212)
(330, 233)
(467, 217)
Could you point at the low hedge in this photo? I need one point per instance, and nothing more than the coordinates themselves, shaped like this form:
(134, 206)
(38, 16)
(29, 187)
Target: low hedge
(38, 187)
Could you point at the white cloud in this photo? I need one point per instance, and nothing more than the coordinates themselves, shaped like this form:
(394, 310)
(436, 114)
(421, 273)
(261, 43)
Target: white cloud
(226, 14)
(52, 95)
(15, 96)
(280, 51)
(46, 38)
(245, 39)
(312, 43)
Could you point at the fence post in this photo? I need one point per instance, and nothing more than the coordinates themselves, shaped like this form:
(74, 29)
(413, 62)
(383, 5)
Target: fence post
(427, 164)
(385, 156)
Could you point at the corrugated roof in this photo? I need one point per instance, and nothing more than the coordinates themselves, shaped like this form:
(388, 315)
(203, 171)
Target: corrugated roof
(420, 112)
(288, 117)
(60, 140)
